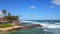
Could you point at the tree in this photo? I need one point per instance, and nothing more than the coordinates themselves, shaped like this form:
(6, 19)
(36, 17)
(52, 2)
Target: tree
(17, 17)
(4, 12)
(9, 14)
(10, 18)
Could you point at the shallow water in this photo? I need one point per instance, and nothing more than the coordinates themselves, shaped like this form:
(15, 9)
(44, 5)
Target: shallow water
(36, 31)
(48, 29)
(27, 31)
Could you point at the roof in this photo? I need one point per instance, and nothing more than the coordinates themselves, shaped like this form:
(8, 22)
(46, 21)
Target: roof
(1, 19)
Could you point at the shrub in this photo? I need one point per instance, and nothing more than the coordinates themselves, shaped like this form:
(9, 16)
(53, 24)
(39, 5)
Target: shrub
(5, 25)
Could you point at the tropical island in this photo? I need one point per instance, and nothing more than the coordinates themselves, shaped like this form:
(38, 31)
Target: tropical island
(10, 22)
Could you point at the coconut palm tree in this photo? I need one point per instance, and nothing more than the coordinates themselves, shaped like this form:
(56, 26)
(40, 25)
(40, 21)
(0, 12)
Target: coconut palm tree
(9, 14)
(4, 12)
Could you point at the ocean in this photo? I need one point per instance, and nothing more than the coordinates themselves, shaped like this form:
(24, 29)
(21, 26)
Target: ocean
(49, 27)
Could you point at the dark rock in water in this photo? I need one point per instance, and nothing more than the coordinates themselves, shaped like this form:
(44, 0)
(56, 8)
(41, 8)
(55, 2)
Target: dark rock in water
(17, 28)
(37, 25)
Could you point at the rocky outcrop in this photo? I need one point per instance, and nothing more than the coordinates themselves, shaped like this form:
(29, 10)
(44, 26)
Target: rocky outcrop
(15, 24)
(37, 25)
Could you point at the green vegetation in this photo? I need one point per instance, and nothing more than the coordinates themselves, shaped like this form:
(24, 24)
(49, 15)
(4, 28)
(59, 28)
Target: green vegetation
(9, 18)
(5, 25)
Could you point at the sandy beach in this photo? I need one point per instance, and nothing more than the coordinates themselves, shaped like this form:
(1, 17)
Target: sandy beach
(10, 28)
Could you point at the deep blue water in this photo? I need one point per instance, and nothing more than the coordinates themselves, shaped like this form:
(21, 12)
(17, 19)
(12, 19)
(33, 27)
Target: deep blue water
(49, 21)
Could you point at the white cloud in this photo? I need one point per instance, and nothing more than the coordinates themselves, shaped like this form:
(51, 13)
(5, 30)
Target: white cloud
(52, 6)
(32, 7)
(1, 14)
(57, 2)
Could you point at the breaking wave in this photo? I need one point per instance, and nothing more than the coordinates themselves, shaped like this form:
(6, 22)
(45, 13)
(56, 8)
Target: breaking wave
(46, 24)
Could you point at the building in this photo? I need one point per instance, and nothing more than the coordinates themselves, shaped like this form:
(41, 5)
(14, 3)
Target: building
(3, 20)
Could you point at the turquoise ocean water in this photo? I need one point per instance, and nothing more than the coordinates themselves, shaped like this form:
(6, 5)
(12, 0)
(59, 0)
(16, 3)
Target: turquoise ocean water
(51, 28)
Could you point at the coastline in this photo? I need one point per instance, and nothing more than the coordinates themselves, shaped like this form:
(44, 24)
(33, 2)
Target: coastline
(10, 28)
(16, 27)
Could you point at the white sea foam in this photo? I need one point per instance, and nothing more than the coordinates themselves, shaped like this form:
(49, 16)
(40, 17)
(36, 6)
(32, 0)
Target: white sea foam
(47, 25)
(25, 21)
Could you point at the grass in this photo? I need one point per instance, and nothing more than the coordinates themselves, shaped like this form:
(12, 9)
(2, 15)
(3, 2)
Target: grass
(5, 25)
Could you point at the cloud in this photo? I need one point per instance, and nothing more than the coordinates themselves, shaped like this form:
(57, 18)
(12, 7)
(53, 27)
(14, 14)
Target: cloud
(1, 14)
(56, 2)
(32, 7)
(52, 6)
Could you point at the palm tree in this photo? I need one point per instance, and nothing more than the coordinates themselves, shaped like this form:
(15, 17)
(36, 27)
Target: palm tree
(9, 14)
(4, 12)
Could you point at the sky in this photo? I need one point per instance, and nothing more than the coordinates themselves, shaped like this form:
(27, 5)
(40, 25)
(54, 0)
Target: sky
(32, 9)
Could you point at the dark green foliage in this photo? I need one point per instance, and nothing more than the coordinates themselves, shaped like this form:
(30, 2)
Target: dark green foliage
(11, 17)
(9, 14)
(4, 11)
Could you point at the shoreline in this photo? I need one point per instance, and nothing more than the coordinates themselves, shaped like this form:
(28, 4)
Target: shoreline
(16, 27)
(10, 28)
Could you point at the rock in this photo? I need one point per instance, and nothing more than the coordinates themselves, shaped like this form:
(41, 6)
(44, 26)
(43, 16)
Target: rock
(37, 25)
(15, 24)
